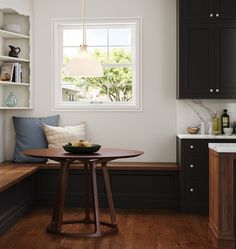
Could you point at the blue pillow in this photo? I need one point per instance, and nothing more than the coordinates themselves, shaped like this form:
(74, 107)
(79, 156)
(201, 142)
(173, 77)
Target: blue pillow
(30, 135)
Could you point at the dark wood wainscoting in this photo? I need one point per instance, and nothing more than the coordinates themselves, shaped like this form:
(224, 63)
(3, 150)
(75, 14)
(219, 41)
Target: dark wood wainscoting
(15, 202)
(131, 188)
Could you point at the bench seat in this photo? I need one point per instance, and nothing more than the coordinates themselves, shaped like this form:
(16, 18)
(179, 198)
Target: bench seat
(125, 166)
(12, 173)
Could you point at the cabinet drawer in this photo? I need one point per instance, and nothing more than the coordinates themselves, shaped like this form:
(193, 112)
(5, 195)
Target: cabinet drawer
(192, 147)
(196, 190)
(195, 167)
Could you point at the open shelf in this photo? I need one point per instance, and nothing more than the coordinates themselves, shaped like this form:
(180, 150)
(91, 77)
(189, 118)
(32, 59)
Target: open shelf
(11, 35)
(14, 108)
(8, 58)
(21, 64)
(8, 83)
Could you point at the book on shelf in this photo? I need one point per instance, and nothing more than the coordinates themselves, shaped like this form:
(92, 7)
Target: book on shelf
(17, 73)
(11, 72)
(7, 72)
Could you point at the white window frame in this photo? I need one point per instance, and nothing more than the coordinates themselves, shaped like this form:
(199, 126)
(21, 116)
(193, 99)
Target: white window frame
(56, 46)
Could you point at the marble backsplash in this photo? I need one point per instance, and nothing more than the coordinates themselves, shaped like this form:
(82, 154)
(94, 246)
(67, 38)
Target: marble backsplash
(192, 112)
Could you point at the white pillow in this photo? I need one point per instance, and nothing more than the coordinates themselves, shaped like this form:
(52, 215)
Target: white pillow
(58, 136)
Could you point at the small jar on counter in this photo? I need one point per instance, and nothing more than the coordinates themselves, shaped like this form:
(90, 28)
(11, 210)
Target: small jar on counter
(202, 128)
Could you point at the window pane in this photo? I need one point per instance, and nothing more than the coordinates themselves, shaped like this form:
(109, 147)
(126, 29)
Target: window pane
(100, 53)
(96, 37)
(70, 91)
(120, 55)
(72, 37)
(69, 53)
(114, 86)
(119, 37)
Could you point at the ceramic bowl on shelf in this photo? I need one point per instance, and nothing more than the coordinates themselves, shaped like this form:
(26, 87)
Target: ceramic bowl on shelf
(193, 130)
(228, 131)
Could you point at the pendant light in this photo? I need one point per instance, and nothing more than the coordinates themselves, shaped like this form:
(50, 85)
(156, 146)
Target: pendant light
(84, 64)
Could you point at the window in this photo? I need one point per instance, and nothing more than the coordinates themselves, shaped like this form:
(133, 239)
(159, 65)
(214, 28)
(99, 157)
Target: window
(117, 45)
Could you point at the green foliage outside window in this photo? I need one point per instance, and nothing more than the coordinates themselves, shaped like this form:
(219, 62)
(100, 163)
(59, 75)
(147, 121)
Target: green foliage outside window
(116, 82)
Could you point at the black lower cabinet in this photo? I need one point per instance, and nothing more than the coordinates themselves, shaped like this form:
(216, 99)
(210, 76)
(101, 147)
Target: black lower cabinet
(193, 159)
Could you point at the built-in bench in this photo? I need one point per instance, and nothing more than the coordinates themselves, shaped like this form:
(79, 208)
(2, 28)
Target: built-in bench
(134, 185)
(11, 173)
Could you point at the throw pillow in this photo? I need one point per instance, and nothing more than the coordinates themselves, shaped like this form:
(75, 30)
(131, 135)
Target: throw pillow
(58, 136)
(30, 135)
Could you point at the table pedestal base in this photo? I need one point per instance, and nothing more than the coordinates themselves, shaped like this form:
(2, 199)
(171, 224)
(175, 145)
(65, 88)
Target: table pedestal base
(113, 229)
(57, 218)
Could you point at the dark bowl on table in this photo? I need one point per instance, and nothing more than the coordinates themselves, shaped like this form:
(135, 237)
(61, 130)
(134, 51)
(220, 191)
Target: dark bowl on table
(82, 150)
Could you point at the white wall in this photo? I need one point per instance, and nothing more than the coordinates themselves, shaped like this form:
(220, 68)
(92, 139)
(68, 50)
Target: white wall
(152, 130)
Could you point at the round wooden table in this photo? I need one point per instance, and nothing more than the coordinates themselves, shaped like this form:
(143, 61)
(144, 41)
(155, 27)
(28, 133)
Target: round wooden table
(89, 161)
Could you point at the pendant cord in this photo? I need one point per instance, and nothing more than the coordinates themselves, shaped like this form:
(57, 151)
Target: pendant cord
(83, 21)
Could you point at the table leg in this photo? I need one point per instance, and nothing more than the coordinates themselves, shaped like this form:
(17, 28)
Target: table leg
(57, 216)
(86, 193)
(109, 194)
(95, 199)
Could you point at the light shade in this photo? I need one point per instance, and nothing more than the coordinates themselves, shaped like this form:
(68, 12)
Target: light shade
(84, 65)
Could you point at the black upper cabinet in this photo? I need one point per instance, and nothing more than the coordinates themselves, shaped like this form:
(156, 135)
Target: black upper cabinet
(207, 49)
(195, 9)
(225, 57)
(204, 10)
(196, 69)
(226, 9)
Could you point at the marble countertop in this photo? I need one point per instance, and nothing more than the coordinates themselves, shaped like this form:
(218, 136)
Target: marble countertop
(223, 147)
(200, 136)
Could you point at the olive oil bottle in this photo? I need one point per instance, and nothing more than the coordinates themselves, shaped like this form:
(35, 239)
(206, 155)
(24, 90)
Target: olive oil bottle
(224, 121)
(216, 127)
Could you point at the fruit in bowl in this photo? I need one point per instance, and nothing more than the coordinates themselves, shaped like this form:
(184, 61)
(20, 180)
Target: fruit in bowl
(81, 147)
(80, 143)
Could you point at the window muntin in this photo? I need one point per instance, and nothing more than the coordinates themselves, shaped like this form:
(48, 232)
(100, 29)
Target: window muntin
(117, 47)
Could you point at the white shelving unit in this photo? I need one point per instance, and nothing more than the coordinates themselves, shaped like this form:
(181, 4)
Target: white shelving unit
(22, 90)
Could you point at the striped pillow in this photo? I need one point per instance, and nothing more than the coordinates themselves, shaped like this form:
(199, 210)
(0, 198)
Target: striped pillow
(58, 136)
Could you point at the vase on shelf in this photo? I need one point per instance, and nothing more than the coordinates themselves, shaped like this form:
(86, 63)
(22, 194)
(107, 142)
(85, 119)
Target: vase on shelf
(11, 100)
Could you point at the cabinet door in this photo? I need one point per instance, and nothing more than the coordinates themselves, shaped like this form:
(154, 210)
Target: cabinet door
(196, 9)
(225, 50)
(196, 61)
(226, 9)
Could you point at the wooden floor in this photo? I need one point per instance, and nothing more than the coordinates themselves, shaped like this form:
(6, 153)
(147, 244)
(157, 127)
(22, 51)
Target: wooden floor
(145, 229)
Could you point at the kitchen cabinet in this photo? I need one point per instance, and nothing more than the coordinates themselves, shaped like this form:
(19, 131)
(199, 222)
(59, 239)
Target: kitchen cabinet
(206, 49)
(193, 159)
(205, 10)
(15, 30)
